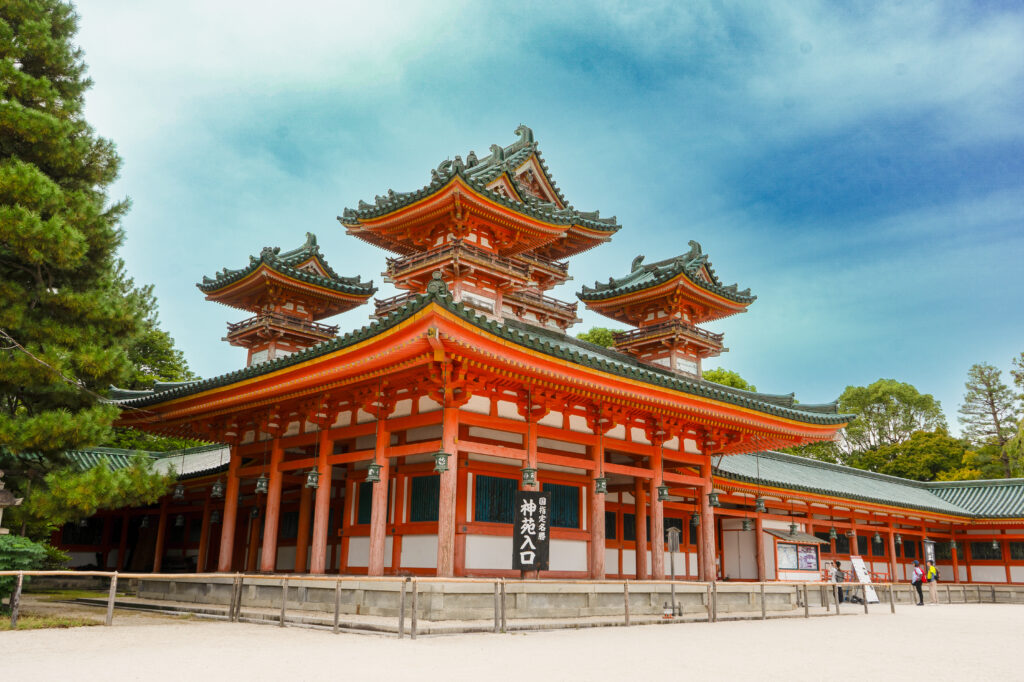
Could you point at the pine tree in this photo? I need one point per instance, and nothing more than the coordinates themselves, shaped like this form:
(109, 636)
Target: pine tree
(71, 323)
(988, 412)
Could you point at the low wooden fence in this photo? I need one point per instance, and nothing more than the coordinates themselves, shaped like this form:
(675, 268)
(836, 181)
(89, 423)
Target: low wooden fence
(800, 594)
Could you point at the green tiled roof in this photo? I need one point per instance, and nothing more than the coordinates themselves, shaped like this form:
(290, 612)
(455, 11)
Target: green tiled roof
(285, 263)
(987, 499)
(648, 276)
(478, 173)
(186, 463)
(115, 458)
(539, 339)
(798, 473)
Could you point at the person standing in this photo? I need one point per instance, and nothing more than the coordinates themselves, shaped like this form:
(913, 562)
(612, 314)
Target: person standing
(838, 577)
(916, 578)
(932, 576)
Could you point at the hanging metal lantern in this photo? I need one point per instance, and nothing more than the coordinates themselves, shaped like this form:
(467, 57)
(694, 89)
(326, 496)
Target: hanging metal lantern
(953, 545)
(878, 538)
(215, 516)
(713, 500)
(179, 492)
(373, 473)
(217, 489)
(145, 522)
(792, 529)
(601, 485)
(832, 534)
(748, 524)
(759, 505)
(262, 484)
(179, 521)
(529, 475)
(662, 493)
(695, 519)
(898, 539)
(313, 478)
(440, 461)
(995, 545)
(850, 533)
(83, 523)
(255, 513)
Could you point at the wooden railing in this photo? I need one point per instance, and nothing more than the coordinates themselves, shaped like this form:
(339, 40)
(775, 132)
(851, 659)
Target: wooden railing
(542, 301)
(285, 321)
(453, 251)
(622, 338)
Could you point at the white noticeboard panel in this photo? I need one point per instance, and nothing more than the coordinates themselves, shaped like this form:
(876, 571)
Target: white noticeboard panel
(864, 577)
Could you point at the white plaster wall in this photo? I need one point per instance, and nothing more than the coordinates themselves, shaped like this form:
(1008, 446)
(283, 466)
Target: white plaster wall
(672, 443)
(690, 445)
(478, 404)
(1017, 574)
(680, 564)
(344, 419)
(403, 408)
(419, 551)
(988, 574)
(693, 563)
(427, 404)
(285, 558)
(617, 432)
(359, 551)
(578, 423)
(508, 410)
(293, 429)
(768, 547)
(963, 572)
(611, 561)
(628, 562)
(799, 576)
(551, 419)
(639, 436)
(112, 558)
(431, 432)
(576, 448)
(568, 555)
(488, 551)
(493, 434)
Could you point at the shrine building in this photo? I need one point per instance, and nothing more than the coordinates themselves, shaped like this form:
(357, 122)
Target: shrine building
(396, 449)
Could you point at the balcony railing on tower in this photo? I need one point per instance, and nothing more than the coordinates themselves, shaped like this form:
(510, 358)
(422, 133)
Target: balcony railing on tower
(283, 322)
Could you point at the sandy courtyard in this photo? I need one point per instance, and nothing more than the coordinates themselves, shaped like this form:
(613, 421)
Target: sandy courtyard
(958, 642)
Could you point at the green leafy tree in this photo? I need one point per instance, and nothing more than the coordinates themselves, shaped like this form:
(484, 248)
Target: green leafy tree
(17, 554)
(888, 412)
(727, 377)
(922, 457)
(988, 412)
(602, 336)
(71, 494)
(1017, 372)
(824, 451)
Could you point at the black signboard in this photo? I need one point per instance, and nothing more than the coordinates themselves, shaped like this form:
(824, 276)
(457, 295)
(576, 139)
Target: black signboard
(531, 534)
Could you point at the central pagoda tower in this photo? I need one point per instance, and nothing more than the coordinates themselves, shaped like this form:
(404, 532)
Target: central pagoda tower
(497, 229)
(288, 293)
(665, 301)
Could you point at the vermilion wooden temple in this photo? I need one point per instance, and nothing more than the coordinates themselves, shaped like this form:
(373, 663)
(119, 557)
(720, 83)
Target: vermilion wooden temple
(397, 448)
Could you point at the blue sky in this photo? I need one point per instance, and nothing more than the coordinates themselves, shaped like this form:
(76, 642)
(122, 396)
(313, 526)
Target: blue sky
(859, 166)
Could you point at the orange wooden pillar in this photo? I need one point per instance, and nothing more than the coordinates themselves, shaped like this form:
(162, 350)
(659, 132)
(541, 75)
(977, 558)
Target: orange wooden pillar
(204, 536)
(597, 529)
(272, 516)
(302, 536)
(956, 564)
(707, 532)
(892, 555)
(379, 511)
(640, 515)
(657, 520)
(254, 541)
(322, 510)
(161, 535)
(448, 495)
(227, 529)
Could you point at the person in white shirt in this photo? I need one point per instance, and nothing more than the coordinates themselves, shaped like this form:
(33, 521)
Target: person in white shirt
(916, 578)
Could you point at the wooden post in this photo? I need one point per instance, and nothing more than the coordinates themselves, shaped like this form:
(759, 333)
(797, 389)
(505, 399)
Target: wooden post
(707, 530)
(625, 598)
(415, 609)
(504, 612)
(764, 606)
(302, 532)
(16, 599)
(401, 611)
(949, 598)
(835, 596)
(709, 602)
(714, 602)
(110, 599)
(322, 511)
(337, 605)
(892, 598)
(597, 527)
(204, 536)
(448, 495)
(497, 607)
(807, 604)
(272, 515)
(227, 525)
(640, 534)
(379, 511)
(161, 535)
(284, 600)
(657, 538)
(864, 590)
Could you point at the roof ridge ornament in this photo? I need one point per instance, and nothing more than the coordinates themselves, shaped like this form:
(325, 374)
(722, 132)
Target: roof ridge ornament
(525, 132)
(637, 263)
(437, 286)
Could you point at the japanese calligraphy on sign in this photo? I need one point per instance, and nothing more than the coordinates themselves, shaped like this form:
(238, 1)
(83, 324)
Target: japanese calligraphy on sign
(531, 533)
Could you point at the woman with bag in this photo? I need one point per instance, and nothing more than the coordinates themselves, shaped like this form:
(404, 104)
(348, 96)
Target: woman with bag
(932, 576)
(916, 578)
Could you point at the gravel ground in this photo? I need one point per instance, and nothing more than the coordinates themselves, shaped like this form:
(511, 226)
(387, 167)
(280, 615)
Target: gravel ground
(948, 642)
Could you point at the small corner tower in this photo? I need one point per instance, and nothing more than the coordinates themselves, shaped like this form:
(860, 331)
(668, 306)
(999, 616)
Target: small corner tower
(664, 302)
(288, 293)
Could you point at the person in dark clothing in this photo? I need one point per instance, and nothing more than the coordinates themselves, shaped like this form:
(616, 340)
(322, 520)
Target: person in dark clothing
(916, 578)
(838, 577)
